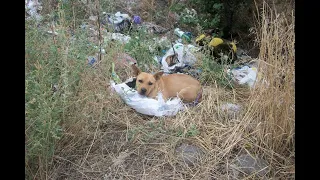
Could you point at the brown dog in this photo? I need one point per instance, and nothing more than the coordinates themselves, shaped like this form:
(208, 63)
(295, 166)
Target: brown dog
(184, 86)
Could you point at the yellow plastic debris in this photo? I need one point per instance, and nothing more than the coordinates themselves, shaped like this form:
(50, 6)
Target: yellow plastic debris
(215, 42)
(200, 37)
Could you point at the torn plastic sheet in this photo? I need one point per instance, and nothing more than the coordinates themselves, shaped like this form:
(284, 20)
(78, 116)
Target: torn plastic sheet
(145, 105)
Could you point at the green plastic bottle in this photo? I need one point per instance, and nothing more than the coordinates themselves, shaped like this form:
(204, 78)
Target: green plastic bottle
(182, 34)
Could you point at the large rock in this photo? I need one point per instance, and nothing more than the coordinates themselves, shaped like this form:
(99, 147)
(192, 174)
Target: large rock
(247, 165)
(231, 110)
(189, 154)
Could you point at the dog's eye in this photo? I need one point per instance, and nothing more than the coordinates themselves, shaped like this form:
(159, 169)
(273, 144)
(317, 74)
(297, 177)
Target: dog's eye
(140, 81)
(150, 83)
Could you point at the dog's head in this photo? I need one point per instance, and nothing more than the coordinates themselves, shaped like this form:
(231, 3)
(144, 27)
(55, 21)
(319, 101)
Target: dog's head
(145, 82)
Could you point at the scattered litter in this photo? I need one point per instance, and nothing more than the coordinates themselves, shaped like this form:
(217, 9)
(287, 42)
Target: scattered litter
(145, 105)
(55, 87)
(244, 75)
(118, 21)
(118, 37)
(183, 35)
(120, 17)
(101, 50)
(32, 7)
(137, 19)
(91, 60)
(222, 49)
(203, 39)
(54, 33)
(183, 56)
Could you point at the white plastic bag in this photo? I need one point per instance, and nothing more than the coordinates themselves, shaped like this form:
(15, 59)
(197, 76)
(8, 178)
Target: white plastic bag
(32, 7)
(118, 18)
(145, 105)
(245, 75)
(117, 36)
(185, 57)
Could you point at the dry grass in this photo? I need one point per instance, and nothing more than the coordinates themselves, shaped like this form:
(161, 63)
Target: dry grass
(105, 139)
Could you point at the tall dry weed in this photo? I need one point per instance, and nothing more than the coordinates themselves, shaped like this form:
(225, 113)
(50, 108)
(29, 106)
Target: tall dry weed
(273, 100)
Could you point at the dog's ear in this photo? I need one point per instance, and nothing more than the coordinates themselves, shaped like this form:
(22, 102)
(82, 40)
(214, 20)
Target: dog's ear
(158, 75)
(136, 70)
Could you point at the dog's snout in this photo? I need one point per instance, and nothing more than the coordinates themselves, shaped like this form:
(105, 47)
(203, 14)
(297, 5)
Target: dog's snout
(143, 90)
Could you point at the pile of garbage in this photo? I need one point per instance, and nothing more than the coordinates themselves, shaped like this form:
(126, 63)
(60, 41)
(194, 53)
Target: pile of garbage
(177, 56)
(172, 56)
(223, 50)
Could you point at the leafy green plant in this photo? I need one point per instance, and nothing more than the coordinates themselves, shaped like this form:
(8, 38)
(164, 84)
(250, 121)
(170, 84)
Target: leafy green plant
(212, 16)
(213, 71)
(138, 48)
(189, 17)
(177, 7)
(52, 67)
(191, 132)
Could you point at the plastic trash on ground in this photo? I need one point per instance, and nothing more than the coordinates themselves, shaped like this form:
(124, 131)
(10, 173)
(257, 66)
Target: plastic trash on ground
(136, 19)
(184, 55)
(91, 60)
(118, 37)
(183, 35)
(244, 75)
(54, 33)
(119, 21)
(145, 105)
(32, 7)
(100, 50)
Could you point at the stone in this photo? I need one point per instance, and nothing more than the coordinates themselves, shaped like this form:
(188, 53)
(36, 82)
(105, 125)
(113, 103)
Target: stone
(189, 154)
(231, 110)
(249, 165)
